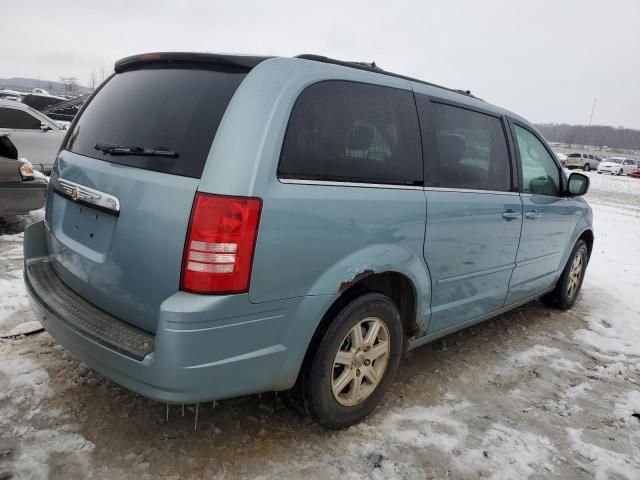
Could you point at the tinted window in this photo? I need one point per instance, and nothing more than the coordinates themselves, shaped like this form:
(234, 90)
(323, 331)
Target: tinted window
(12, 118)
(590, 157)
(574, 155)
(540, 174)
(472, 150)
(173, 109)
(345, 131)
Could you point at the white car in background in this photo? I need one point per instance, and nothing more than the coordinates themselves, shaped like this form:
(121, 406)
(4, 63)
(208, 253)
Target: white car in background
(36, 136)
(584, 161)
(562, 157)
(618, 166)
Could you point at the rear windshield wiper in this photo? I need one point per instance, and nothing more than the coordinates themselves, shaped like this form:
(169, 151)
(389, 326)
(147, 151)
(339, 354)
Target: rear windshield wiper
(114, 149)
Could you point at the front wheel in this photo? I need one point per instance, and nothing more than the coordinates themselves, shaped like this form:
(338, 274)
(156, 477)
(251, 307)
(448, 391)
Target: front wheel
(354, 363)
(565, 293)
(620, 172)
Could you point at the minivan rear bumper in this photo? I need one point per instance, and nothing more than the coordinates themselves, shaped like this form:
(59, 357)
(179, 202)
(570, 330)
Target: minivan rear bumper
(205, 347)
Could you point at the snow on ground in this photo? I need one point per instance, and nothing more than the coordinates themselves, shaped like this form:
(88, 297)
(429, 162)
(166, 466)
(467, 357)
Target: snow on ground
(534, 393)
(15, 316)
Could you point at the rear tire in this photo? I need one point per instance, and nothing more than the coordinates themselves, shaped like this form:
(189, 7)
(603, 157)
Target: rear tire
(586, 167)
(353, 364)
(566, 291)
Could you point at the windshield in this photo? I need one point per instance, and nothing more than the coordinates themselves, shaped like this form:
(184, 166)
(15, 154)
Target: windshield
(44, 119)
(615, 160)
(161, 119)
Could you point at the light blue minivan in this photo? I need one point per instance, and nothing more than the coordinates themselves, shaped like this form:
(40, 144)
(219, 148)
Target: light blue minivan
(221, 225)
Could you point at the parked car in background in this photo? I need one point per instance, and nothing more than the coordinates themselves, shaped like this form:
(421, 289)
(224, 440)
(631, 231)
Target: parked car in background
(562, 158)
(584, 161)
(57, 108)
(36, 136)
(292, 224)
(617, 166)
(41, 100)
(7, 94)
(635, 173)
(21, 188)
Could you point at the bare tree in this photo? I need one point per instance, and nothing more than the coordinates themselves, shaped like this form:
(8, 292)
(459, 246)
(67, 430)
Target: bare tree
(596, 135)
(70, 83)
(93, 80)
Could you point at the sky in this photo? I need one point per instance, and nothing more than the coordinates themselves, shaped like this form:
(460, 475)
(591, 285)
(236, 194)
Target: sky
(545, 60)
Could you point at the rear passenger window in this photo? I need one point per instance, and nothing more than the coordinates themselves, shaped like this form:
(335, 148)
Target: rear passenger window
(351, 132)
(472, 150)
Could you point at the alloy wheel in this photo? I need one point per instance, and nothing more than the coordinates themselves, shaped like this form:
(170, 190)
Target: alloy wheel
(575, 274)
(360, 362)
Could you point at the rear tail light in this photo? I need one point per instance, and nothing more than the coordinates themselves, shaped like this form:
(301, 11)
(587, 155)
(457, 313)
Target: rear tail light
(220, 243)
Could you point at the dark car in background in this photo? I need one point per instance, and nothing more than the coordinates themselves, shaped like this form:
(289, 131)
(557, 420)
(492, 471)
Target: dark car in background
(21, 188)
(57, 108)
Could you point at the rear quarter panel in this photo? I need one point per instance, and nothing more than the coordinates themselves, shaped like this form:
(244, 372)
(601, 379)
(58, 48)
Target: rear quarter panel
(313, 239)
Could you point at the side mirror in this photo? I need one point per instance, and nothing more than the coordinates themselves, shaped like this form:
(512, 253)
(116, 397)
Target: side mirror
(44, 127)
(578, 185)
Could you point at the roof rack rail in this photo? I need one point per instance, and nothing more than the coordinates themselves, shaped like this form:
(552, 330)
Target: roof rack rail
(372, 67)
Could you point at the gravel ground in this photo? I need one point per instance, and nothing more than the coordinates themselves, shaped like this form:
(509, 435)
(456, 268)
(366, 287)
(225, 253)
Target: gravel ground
(534, 393)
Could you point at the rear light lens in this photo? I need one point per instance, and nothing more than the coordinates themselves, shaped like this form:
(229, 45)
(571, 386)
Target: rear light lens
(220, 243)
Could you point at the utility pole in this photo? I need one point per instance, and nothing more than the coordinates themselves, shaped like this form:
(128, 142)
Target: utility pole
(592, 110)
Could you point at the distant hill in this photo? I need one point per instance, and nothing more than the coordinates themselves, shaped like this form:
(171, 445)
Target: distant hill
(595, 135)
(27, 84)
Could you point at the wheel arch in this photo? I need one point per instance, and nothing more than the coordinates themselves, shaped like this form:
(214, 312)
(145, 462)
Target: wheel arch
(396, 285)
(587, 236)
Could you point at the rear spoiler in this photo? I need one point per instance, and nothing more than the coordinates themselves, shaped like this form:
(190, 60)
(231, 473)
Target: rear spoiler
(239, 61)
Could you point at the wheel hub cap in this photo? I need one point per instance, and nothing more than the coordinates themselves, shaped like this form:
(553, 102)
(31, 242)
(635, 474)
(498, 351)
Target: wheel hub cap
(575, 274)
(360, 362)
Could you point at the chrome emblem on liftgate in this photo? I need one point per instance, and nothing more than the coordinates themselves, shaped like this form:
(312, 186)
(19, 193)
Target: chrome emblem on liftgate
(80, 193)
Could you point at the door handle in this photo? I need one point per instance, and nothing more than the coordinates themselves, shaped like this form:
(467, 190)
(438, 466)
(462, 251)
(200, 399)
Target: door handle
(511, 215)
(533, 214)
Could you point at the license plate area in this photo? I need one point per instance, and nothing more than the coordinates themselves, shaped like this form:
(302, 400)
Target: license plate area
(84, 230)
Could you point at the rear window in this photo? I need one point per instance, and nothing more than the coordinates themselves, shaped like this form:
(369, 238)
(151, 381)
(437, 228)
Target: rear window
(169, 109)
(574, 155)
(351, 132)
